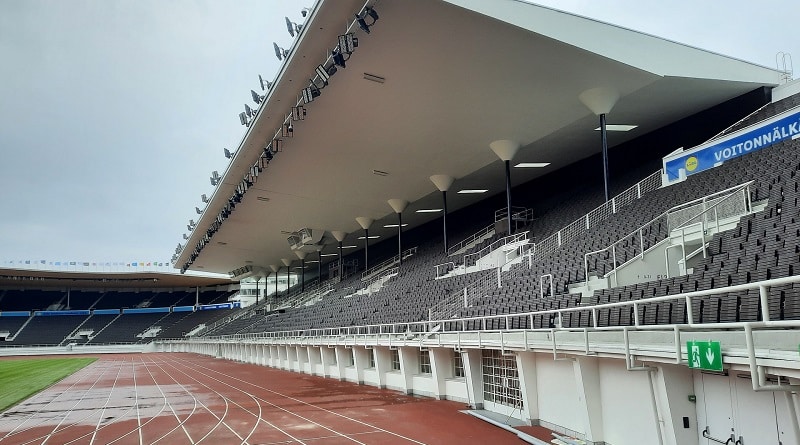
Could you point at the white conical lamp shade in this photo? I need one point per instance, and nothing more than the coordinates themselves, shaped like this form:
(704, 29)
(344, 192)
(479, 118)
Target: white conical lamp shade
(364, 222)
(398, 205)
(600, 100)
(442, 182)
(505, 149)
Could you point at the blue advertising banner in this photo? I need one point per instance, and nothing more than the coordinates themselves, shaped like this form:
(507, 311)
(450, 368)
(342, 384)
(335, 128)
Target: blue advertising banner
(145, 310)
(56, 313)
(183, 309)
(206, 307)
(15, 314)
(106, 312)
(782, 127)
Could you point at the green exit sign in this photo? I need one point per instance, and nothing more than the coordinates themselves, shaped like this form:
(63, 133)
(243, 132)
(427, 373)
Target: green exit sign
(705, 355)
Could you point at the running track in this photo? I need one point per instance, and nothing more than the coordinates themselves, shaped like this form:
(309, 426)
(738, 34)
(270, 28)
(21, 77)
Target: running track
(175, 399)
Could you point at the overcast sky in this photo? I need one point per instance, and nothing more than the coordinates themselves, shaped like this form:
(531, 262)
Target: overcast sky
(114, 113)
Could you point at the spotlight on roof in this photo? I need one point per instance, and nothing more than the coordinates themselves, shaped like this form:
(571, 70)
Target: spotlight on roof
(348, 43)
(310, 93)
(257, 98)
(292, 27)
(324, 74)
(215, 178)
(280, 53)
(304, 12)
(204, 198)
(243, 118)
(197, 209)
(338, 58)
(265, 84)
(249, 111)
(228, 153)
(370, 12)
(186, 237)
(298, 113)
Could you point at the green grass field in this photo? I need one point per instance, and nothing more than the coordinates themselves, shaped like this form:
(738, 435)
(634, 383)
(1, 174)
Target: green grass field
(20, 379)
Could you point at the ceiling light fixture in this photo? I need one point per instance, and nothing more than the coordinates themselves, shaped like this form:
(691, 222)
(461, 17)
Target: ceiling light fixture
(472, 191)
(532, 164)
(429, 210)
(617, 127)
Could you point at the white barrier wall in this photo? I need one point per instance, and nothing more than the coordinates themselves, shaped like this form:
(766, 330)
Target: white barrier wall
(592, 397)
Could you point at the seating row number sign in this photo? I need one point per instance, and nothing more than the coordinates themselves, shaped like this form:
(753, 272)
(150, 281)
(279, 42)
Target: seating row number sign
(705, 355)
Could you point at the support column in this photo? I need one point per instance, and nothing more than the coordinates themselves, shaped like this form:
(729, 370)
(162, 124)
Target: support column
(398, 205)
(473, 377)
(409, 367)
(443, 183)
(287, 262)
(361, 362)
(505, 150)
(589, 406)
(600, 101)
(342, 360)
(302, 255)
(383, 364)
(365, 222)
(339, 236)
(526, 366)
(441, 370)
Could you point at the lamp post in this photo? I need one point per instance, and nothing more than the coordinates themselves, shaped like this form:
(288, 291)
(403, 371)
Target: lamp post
(302, 255)
(443, 183)
(600, 101)
(365, 222)
(505, 150)
(398, 205)
(339, 236)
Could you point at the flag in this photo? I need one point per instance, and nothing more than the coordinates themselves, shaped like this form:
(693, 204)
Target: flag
(134, 264)
(72, 263)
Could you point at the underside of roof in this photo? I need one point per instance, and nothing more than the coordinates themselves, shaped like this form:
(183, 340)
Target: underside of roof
(453, 76)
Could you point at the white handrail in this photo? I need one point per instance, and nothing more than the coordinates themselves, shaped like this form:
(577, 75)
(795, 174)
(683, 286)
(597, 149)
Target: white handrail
(426, 326)
(471, 239)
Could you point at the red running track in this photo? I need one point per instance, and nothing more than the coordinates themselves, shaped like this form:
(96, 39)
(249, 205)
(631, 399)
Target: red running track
(175, 399)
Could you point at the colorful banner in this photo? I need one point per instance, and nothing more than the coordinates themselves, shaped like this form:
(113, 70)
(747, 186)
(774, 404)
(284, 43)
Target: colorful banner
(782, 127)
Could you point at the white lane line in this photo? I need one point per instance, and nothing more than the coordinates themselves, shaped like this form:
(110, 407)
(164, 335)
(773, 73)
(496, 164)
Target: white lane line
(138, 411)
(105, 406)
(259, 417)
(313, 406)
(307, 420)
(66, 415)
(181, 423)
(96, 370)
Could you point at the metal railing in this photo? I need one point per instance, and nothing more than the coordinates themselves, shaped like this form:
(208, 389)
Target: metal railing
(471, 259)
(484, 232)
(580, 226)
(702, 211)
(383, 265)
(688, 301)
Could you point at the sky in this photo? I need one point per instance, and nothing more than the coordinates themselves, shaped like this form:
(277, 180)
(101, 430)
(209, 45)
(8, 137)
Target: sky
(114, 113)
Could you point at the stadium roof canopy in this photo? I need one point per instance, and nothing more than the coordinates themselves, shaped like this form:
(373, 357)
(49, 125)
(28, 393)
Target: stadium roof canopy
(41, 279)
(457, 75)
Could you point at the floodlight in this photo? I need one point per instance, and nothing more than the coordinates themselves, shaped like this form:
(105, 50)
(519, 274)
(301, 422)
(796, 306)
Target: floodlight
(257, 98)
(186, 237)
(228, 153)
(309, 93)
(197, 209)
(338, 58)
(362, 24)
(265, 84)
(243, 118)
(249, 111)
(304, 12)
(280, 53)
(298, 113)
(292, 27)
(347, 43)
(368, 11)
(204, 198)
(323, 74)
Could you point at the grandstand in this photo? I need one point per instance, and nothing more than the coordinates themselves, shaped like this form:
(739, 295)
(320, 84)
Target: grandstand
(661, 310)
